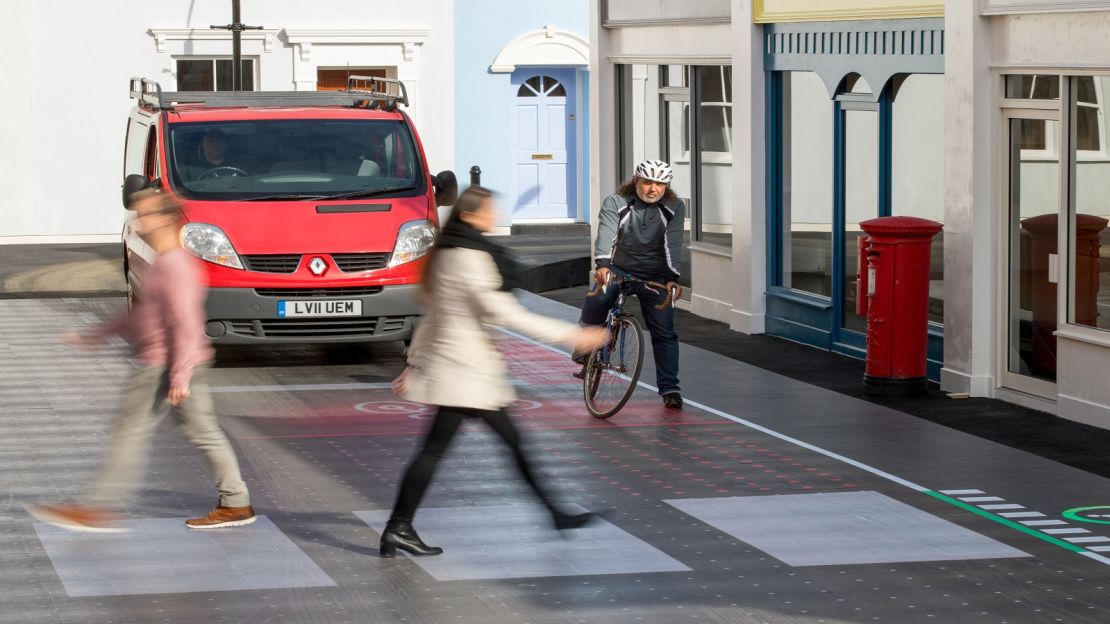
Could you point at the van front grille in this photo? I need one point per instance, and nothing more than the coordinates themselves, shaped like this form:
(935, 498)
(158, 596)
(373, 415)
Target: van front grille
(356, 263)
(286, 263)
(320, 327)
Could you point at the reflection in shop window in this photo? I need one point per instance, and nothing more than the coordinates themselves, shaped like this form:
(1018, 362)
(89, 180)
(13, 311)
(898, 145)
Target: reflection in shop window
(917, 171)
(1089, 238)
(807, 184)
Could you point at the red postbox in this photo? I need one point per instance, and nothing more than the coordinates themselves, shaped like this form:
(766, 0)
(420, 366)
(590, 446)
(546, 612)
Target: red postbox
(894, 289)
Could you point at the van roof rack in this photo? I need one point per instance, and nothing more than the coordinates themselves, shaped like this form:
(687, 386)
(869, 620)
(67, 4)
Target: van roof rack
(362, 91)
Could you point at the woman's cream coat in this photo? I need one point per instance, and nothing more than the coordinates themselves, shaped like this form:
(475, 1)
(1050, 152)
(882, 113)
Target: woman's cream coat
(454, 358)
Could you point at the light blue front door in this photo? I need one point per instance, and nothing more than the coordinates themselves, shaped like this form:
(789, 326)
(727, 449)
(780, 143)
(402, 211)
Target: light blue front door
(543, 144)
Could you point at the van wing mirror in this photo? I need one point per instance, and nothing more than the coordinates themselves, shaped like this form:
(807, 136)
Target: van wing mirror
(132, 184)
(447, 188)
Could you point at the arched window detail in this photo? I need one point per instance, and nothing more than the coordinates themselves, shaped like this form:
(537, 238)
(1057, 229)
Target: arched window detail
(541, 85)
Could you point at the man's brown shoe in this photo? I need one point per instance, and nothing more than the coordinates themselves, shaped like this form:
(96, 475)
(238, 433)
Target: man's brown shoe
(221, 517)
(76, 518)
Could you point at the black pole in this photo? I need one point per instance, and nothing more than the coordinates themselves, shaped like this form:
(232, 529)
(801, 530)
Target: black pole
(475, 176)
(236, 27)
(236, 48)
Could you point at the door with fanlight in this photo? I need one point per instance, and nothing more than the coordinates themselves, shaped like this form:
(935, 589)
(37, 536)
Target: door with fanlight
(543, 146)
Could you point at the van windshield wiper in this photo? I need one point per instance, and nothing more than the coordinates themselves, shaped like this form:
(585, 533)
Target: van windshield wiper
(370, 192)
(298, 196)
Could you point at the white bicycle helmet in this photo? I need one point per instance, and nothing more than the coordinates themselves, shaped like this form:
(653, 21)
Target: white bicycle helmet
(655, 170)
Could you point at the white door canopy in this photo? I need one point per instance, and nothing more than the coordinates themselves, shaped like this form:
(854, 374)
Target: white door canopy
(547, 47)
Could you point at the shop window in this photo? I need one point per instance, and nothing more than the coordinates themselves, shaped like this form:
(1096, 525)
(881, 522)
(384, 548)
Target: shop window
(336, 79)
(807, 184)
(1035, 139)
(917, 166)
(1089, 236)
(212, 74)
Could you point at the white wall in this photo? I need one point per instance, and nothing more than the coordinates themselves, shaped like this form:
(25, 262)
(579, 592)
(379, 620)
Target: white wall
(68, 61)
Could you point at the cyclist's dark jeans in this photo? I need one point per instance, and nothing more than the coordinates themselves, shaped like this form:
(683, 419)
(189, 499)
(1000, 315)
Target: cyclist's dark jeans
(660, 323)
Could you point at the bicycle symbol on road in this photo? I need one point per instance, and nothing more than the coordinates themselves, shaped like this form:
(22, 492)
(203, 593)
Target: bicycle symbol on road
(1099, 514)
(416, 411)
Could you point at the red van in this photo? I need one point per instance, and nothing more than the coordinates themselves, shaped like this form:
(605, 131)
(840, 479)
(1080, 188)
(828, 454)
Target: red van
(312, 211)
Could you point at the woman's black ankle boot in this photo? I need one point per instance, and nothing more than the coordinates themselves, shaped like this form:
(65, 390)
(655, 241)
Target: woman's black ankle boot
(565, 521)
(401, 535)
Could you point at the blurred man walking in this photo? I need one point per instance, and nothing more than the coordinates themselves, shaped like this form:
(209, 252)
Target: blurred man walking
(165, 329)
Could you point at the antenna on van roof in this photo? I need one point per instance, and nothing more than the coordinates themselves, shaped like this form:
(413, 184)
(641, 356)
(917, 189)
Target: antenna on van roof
(236, 27)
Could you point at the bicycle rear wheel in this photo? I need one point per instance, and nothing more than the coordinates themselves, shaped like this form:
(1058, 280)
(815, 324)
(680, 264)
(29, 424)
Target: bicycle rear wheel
(613, 370)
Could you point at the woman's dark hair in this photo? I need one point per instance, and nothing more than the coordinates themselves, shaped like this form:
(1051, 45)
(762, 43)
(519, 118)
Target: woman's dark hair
(628, 187)
(469, 200)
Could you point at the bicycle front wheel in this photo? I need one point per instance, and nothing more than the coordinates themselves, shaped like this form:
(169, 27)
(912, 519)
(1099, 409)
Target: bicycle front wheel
(613, 370)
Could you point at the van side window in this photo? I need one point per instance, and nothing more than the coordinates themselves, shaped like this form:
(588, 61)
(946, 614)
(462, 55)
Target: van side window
(152, 169)
(138, 138)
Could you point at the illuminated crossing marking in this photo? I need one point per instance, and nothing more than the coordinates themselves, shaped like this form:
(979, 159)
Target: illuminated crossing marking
(1001, 507)
(1043, 522)
(961, 492)
(981, 499)
(1022, 514)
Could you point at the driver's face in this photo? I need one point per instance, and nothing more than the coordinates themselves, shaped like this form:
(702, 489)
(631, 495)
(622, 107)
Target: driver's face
(215, 147)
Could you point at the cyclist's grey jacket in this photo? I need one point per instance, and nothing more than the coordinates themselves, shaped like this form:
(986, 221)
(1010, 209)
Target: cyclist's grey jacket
(643, 239)
(454, 359)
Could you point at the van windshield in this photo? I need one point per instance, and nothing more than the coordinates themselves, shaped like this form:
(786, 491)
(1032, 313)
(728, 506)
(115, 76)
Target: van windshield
(293, 159)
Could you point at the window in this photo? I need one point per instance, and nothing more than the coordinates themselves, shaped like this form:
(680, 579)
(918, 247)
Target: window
(541, 85)
(242, 160)
(807, 184)
(1035, 136)
(1089, 236)
(1088, 113)
(713, 98)
(212, 74)
(336, 79)
(917, 166)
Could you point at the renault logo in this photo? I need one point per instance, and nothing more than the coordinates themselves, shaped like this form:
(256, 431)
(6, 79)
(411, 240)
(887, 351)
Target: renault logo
(317, 266)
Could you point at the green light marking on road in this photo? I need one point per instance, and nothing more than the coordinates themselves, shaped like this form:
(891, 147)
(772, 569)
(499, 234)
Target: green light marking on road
(1006, 522)
(1073, 514)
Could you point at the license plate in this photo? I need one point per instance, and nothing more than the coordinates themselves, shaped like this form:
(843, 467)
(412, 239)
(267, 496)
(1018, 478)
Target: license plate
(319, 308)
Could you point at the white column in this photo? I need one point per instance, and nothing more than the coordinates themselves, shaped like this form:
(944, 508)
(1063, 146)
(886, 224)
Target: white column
(749, 239)
(970, 240)
(602, 107)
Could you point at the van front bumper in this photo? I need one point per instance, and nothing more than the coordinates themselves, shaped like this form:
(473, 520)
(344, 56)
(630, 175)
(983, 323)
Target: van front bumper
(250, 316)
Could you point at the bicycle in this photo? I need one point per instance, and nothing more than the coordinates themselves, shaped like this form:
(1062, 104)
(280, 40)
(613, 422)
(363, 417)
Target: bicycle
(610, 373)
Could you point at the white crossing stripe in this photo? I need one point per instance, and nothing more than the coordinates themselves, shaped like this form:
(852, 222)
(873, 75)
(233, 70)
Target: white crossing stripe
(1087, 540)
(1023, 514)
(960, 492)
(1041, 522)
(980, 499)
(1099, 548)
(1006, 506)
(1072, 530)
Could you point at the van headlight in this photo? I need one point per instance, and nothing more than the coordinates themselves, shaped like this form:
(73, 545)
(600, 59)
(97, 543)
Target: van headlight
(209, 243)
(414, 241)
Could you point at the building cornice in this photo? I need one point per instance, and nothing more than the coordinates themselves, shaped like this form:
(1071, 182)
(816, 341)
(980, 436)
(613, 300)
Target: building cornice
(162, 35)
(407, 38)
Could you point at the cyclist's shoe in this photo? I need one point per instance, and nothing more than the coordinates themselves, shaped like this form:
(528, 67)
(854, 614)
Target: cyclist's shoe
(673, 400)
(579, 358)
(581, 374)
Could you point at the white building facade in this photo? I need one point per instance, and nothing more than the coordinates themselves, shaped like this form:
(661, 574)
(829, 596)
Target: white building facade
(790, 121)
(63, 121)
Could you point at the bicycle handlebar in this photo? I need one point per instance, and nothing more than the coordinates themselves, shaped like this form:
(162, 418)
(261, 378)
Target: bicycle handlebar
(618, 278)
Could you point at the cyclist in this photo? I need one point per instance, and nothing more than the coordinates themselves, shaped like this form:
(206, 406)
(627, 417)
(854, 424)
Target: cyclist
(640, 233)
